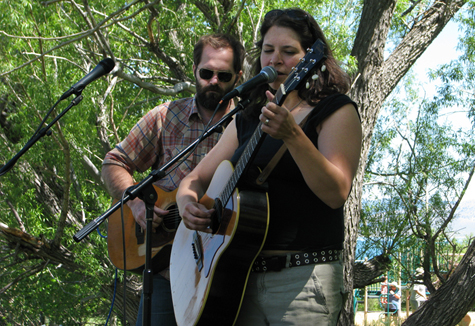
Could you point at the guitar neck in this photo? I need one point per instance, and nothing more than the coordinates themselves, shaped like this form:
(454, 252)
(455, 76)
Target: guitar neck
(248, 154)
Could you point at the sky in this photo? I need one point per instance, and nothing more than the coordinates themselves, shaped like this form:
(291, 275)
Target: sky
(442, 50)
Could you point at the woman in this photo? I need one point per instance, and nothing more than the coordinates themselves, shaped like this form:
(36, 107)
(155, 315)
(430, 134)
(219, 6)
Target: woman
(306, 189)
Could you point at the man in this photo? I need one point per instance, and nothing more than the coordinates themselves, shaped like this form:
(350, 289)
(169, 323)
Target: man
(164, 132)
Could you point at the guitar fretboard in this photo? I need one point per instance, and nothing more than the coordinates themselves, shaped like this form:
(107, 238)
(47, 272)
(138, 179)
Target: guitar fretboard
(254, 142)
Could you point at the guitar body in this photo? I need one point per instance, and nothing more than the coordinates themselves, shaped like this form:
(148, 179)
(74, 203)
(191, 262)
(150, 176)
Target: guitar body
(209, 272)
(135, 249)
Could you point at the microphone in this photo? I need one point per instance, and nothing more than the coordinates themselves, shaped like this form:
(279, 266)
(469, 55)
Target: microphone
(267, 75)
(103, 68)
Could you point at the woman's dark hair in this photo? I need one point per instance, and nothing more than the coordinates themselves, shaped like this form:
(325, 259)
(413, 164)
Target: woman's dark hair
(332, 80)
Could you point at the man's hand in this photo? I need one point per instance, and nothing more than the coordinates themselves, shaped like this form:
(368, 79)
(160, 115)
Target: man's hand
(137, 206)
(117, 180)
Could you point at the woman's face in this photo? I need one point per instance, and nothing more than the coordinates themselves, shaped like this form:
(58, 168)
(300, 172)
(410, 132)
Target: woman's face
(281, 50)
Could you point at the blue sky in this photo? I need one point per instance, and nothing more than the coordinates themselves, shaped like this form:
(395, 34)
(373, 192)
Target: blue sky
(443, 50)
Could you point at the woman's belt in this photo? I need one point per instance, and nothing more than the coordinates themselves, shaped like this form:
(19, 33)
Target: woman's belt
(276, 263)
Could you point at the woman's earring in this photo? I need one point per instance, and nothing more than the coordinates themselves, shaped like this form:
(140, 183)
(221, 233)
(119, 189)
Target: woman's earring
(323, 68)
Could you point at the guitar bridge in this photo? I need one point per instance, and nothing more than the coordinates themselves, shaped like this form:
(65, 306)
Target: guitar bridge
(197, 250)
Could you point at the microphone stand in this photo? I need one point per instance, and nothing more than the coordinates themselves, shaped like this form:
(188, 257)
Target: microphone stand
(145, 191)
(38, 135)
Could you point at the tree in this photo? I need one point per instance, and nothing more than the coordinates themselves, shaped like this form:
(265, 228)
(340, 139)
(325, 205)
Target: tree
(47, 45)
(418, 170)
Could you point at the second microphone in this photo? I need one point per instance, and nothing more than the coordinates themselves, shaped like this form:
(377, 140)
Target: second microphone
(267, 75)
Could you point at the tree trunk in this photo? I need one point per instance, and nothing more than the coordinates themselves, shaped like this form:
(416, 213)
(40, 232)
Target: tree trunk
(450, 303)
(131, 302)
(40, 249)
(367, 272)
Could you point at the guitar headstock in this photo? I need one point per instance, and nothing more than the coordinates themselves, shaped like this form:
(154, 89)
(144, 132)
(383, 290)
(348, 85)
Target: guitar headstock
(314, 55)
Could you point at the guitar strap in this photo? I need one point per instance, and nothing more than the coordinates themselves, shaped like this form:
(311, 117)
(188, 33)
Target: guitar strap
(273, 162)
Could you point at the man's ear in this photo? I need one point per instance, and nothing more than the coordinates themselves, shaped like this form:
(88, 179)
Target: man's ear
(238, 78)
(194, 70)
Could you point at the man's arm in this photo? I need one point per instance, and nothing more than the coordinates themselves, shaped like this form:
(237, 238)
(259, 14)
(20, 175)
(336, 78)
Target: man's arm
(117, 179)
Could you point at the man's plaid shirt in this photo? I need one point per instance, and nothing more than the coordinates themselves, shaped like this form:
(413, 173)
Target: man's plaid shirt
(159, 136)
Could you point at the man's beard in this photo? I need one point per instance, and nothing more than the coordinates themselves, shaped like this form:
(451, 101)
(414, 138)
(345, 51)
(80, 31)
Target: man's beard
(209, 97)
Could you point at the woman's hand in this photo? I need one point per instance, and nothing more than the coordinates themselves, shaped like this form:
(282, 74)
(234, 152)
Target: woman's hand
(197, 217)
(277, 121)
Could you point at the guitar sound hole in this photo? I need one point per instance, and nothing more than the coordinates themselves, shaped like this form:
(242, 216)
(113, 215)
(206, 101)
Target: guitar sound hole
(172, 219)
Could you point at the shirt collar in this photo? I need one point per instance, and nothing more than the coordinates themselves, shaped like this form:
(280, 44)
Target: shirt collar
(193, 114)
(196, 114)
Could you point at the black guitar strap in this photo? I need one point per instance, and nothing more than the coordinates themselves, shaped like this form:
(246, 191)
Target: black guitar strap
(273, 162)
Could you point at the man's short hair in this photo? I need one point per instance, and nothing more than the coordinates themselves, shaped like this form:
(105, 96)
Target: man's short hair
(219, 41)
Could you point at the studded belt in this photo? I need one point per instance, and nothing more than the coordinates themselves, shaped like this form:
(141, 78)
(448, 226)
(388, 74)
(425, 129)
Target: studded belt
(276, 263)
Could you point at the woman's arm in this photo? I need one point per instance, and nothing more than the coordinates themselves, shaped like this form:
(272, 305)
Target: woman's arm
(195, 215)
(330, 169)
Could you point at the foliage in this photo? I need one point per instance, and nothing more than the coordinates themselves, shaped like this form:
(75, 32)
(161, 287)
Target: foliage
(417, 168)
(55, 189)
(457, 76)
(46, 47)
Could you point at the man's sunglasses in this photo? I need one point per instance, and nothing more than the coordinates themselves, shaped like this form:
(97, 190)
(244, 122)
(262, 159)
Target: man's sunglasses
(222, 76)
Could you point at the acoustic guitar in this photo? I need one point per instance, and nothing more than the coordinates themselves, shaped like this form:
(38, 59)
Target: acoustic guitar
(134, 235)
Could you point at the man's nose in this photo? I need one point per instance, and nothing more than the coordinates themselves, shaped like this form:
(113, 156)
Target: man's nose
(214, 80)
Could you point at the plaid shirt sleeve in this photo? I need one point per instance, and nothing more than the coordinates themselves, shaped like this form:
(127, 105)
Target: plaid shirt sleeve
(140, 149)
(160, 136)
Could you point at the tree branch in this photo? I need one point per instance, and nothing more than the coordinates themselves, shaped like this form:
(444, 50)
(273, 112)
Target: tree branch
(102, 24)
(39, 248)
(177, 88)
(14, 211)
(26, 274)
(417, 40)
